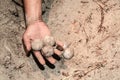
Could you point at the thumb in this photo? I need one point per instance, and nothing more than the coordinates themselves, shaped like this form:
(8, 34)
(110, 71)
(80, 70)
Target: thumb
(27, 45)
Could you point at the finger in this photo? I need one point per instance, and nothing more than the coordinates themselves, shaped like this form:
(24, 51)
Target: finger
(39, 57)
(51, 60)
(27, 44)
(56, 51)
(60, 45)
(57, 54)
(37, 62)
(50, 65)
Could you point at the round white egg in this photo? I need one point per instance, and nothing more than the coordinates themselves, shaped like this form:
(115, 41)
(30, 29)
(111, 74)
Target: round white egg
(37, 44)
(68, 53)
(47, 51)
(49, 40)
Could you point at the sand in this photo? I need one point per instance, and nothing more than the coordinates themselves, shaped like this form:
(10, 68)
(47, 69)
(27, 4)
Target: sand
(91, 26)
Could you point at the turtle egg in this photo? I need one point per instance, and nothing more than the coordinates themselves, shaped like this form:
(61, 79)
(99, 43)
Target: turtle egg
(68, 53)
(47, 51)
(49, 40)
(37, 44)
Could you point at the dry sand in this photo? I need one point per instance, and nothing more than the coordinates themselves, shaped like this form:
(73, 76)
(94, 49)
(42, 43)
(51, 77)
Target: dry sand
(92, 26)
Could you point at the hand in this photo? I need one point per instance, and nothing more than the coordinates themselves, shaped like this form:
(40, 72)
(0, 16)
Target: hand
(38, 30)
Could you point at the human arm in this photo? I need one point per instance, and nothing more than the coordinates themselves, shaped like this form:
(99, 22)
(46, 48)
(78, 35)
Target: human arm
(36, 28)
(33, 11)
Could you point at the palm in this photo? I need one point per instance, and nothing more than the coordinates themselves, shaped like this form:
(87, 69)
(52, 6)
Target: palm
(37, 31)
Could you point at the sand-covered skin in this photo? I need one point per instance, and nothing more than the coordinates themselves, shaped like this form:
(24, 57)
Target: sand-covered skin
(92, 27)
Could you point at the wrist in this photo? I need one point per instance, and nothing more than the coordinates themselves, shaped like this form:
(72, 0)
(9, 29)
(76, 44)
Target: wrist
(32, 20)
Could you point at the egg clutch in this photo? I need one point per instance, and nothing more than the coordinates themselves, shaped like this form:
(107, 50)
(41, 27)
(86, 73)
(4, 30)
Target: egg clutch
(47, 46)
